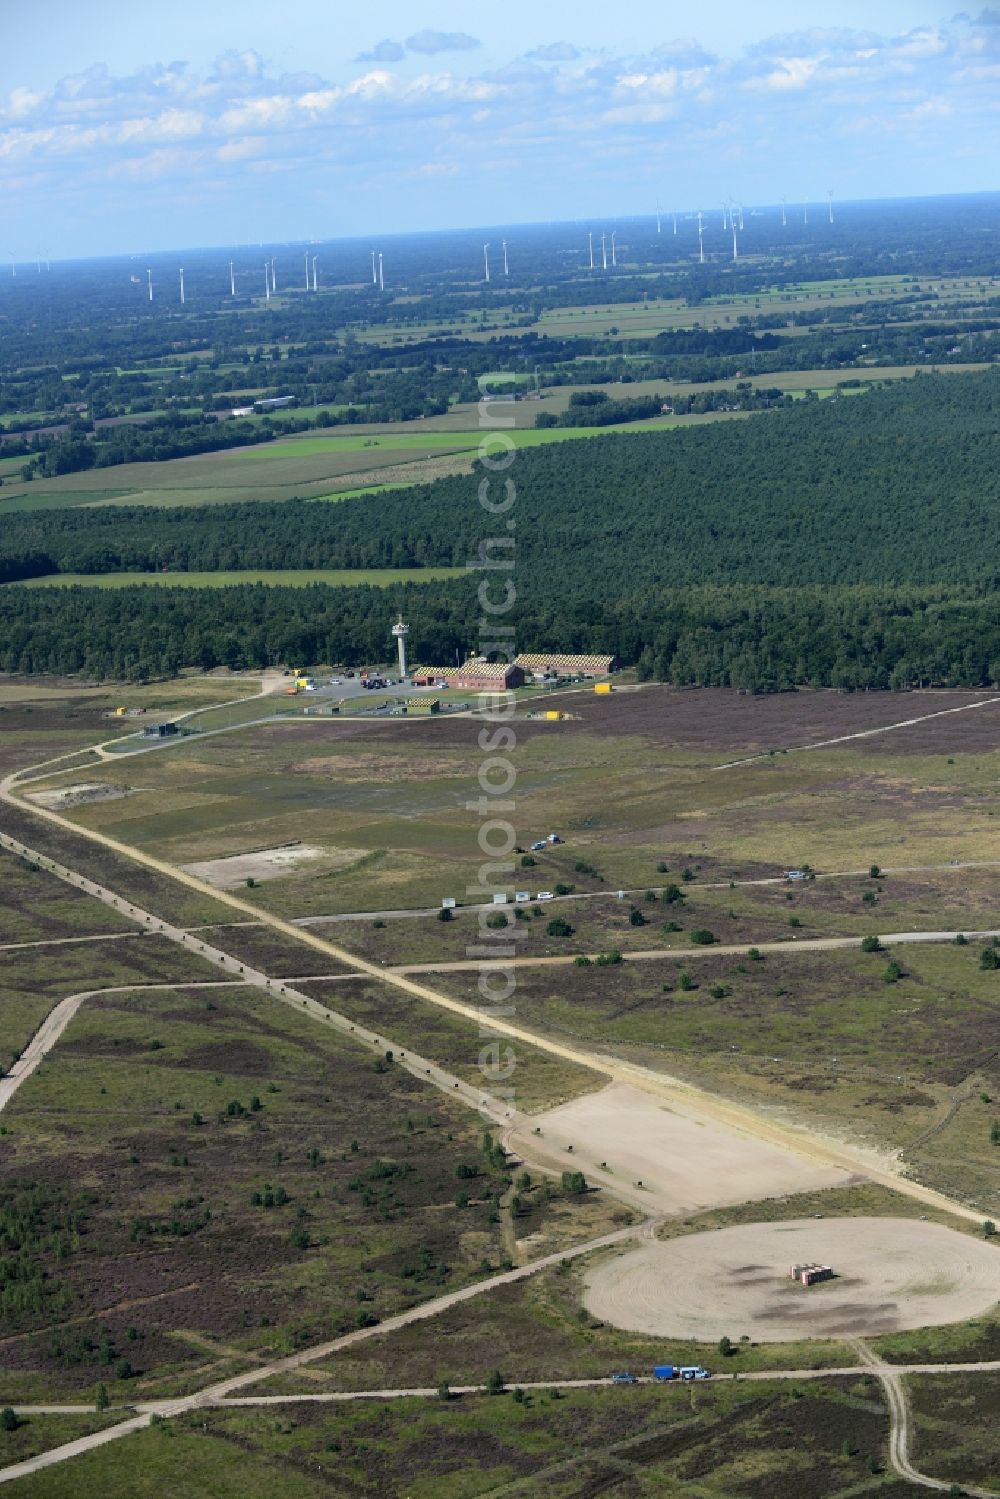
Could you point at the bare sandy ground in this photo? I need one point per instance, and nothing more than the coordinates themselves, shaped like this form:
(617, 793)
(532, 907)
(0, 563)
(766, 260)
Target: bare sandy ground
(60, 797)
(891, 1274)
(685, 1161)
(264, 864)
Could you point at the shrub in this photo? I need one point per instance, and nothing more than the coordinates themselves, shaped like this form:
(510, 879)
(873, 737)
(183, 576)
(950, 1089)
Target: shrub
(893, 973)
(672, 894)
(687, 875)
(755, 955)
(559, 927)
(446, 914)
(635, 917)
(378, 924)
(718, 991)
(661, 867)
(988, 958)
(961, 940)
(527, 862)
(574, 1183)
(497, 921)
(651, 895)
(564, 889)
(870, 944)
(8, 1419)
(702, 937)
(582, 961)
(685, 981)
(607, 959)
(495, 1383)
(874, 872)
(444, 1390)
(795, 921)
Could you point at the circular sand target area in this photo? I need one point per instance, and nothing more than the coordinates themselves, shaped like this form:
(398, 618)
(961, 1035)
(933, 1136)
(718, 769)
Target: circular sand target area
(889, 1274)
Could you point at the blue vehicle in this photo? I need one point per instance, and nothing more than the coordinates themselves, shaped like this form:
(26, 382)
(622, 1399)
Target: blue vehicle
(665, 1371)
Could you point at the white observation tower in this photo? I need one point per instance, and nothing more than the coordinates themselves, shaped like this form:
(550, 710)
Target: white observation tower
(401, 631)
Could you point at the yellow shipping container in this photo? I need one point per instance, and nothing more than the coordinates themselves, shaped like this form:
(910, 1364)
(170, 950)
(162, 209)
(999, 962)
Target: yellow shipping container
(602, 687)
(551, 713)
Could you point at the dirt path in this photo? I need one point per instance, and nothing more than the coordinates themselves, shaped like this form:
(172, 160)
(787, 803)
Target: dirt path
(66, 941)
(886, 728)
(890, 1377)
(717, 950)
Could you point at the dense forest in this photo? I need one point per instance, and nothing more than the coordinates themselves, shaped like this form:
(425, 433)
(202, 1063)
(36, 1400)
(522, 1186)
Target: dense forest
(893, 486)
(850, 542)
(759, 639)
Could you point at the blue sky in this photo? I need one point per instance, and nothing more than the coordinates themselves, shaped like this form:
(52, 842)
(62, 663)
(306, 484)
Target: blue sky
(134, 127)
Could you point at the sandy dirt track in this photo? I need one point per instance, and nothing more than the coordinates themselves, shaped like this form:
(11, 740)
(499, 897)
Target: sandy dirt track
(685, 1161)
(891, 1274)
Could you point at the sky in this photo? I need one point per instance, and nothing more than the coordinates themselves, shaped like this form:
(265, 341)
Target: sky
(128, 127)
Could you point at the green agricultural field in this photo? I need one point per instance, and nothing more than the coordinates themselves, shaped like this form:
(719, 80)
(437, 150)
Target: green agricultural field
(288, 578)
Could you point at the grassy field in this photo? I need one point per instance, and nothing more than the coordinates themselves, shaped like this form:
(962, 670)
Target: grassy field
(156, 1121)
(956, 1437)
(278, 577)
(731, 1442)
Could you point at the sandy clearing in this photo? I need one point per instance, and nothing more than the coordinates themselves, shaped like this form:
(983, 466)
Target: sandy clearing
(891, 1274)
(79, 795)
(264, 864)
(685, 1162)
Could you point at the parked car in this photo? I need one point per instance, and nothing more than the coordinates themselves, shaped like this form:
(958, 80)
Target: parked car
(544, 895)
(695, 1371)
(624, 1378)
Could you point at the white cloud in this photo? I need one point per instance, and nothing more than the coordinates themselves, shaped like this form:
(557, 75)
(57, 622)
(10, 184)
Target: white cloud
(388, 125)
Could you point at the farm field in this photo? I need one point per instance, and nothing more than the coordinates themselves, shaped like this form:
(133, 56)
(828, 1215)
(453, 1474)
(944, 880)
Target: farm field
(280, 577)
(302, 467)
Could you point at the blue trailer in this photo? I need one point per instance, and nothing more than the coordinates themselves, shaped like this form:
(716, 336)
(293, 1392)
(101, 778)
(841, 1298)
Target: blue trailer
(665, 1371)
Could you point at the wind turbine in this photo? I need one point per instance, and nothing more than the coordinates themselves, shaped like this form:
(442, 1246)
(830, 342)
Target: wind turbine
(736, 253)
(232, 280)
(307, 270)
(505, 271)
(741, 217)
(149, 280)
(374, 274)
(784, 221)
(182, 285)
(315, 288)
(590, 246)
(267, 282)
(274, 278)
(486, 260)
(675, 221)
(805, 212)
(725, 220)
(657, 215)
(614, 260)
(13, 263)
(829, 202)
(701, 241)
(381, 278)
(604, 252)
